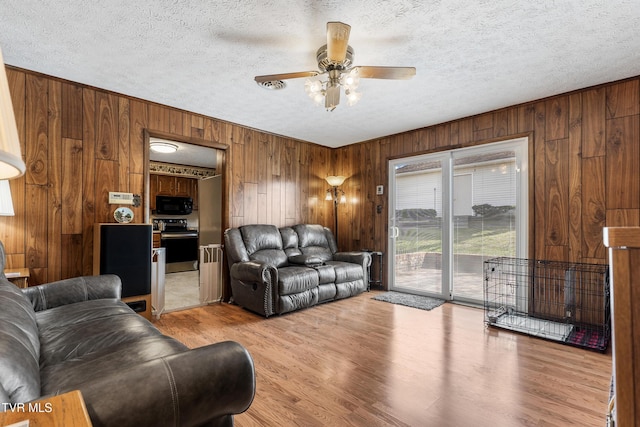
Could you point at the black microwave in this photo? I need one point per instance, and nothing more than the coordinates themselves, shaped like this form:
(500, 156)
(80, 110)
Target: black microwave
(169, 205)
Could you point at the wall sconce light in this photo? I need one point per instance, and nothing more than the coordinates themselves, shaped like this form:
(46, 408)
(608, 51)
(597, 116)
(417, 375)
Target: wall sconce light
(11, 163)
(337, 195)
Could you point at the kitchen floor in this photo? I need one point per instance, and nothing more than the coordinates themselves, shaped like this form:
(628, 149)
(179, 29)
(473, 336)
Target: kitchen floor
(181, 290)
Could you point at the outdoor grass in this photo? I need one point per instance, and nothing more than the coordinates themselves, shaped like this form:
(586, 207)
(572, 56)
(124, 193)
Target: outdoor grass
(493, 240)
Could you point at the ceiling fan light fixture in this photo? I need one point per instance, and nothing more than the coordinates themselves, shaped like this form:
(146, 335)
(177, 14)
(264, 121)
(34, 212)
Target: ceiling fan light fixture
(350, 80)
(334, 62)
(352, 97)
(163, 147)
(312, 87)
(332, 96)
(318, 99)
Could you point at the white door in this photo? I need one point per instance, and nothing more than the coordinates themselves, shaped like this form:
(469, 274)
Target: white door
(418, 236)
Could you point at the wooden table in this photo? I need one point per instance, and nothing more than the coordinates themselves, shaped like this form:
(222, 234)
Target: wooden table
(18, 276)
(64, 410)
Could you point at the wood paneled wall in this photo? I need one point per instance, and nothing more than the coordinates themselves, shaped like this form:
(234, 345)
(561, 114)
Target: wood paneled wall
(80, 142)
(584, 173)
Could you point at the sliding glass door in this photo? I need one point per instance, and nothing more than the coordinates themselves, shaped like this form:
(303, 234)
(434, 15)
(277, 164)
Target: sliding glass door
(417, 232)
(451, 211)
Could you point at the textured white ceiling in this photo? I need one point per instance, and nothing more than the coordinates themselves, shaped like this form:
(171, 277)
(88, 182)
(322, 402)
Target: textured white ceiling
(201, 56)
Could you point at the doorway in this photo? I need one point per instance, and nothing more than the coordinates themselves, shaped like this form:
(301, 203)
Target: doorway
(451, 211)
(192, 164)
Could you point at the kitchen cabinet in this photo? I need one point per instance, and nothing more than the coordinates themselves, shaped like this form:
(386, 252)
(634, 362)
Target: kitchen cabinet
(156, 239)
(166, 185)
(183, 187)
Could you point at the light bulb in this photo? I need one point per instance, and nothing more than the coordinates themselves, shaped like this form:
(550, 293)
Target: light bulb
(318, 98)
(312, 87)
(350, 81)
(352, 97)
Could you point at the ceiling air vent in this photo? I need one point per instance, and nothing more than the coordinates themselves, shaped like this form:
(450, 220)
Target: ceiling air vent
(273, 84)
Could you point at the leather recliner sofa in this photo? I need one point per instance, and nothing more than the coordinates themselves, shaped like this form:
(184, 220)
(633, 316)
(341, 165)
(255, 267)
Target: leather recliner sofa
(77, 334)
(278, 270)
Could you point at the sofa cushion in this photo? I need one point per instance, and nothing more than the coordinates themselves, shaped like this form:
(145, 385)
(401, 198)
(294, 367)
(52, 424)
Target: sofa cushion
(326, 274)
(346, 271)
(313, 241)
(349, 289)
(289, 241)
(19, 346)
(84, 341)
(106, 360)
(76, 331)
(295, 279)
(261, 236)
(264, 243)
(326, 292)
(297, 301)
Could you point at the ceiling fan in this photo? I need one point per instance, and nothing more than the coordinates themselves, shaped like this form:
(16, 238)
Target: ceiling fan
(334, 61)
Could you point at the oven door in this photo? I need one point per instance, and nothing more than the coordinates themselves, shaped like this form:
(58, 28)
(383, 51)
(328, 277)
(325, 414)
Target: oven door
(181, 251)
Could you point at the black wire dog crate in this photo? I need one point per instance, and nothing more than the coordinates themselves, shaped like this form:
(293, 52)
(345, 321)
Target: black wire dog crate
(560, 301)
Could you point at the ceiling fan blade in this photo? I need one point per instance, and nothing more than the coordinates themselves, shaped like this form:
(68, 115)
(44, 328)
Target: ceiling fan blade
(337, 41)
(285, 76)
(399, 73)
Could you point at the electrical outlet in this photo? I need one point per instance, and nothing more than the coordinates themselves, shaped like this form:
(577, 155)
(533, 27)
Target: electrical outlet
(379, 190)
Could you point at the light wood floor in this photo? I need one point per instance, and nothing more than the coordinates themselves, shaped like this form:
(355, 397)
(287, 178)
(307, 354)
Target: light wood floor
(363, 362)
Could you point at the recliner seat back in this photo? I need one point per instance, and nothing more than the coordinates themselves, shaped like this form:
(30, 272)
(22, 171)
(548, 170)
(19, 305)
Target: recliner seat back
(314, 239)
(264, 243)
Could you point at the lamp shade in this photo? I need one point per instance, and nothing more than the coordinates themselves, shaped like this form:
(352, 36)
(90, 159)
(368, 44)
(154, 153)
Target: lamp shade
(335, 181)
(11, 163)
(6, 204)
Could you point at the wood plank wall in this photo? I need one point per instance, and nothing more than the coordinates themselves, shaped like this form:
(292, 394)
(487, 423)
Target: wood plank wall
(584, 174)
(80, 142)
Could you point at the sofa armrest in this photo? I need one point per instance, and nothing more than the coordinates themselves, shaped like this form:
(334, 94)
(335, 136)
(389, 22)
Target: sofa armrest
(306, 260)
(362, 258)
(252, 271)
(206, 385)
(254, 285)
(77, 289)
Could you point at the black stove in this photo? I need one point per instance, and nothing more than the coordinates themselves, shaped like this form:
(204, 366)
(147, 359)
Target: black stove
(181, 244)
(173, 226)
